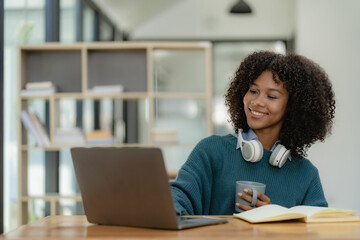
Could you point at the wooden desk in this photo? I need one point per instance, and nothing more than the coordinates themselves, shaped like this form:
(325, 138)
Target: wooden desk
(77, 227)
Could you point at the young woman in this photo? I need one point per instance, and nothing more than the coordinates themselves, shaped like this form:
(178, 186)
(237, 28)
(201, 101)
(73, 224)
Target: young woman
(282, 102)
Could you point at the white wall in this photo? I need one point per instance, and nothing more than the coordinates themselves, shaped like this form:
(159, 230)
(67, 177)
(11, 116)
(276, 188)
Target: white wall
(328, 31)
(209, 19)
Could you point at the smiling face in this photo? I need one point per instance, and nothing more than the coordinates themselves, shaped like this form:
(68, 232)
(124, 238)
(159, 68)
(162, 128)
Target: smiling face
(265, 104)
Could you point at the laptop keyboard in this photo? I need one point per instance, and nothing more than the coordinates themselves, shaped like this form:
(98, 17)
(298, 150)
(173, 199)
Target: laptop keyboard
(189, 220)
(182, 219)
(185, 222)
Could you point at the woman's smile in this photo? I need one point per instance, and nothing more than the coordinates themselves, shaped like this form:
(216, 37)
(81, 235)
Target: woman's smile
(257, 114)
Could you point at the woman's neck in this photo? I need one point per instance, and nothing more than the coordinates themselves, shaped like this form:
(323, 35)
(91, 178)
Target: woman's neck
(267, 137)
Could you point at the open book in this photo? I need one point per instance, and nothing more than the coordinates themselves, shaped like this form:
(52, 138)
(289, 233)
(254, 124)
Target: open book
(309, 214)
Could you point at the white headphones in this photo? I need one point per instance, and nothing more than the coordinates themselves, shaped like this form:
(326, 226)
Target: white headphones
(252, 151)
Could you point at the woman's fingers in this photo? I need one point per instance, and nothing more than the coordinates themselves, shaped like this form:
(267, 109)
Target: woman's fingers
(243, 206)
(246, 197)
(262, 199)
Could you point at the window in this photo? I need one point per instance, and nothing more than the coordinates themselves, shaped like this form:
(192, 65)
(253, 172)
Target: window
(23, 23)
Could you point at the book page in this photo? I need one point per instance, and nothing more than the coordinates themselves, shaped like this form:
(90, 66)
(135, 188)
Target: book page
(312, 211)
(269, 213)
(333, 218)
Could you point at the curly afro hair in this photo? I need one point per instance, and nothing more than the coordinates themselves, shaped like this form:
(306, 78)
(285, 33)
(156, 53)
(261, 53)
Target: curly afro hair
(311, 104)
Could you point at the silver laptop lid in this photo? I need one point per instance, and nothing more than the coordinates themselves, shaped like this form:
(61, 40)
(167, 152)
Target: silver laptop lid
(124, 186)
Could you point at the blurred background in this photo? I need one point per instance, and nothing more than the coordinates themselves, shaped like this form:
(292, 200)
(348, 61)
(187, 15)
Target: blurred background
(326, 31)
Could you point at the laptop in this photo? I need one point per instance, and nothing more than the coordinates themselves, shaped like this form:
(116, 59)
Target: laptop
(129, 186)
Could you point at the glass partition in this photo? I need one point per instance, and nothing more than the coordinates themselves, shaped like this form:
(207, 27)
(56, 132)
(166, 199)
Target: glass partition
(179, 121)
(67, 21)
(173, 72)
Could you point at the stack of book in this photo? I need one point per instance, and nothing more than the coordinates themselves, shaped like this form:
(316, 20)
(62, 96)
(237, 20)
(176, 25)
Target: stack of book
(35, 127)
(38, 89)
(107, 89)
(99, 137)
(69, 137)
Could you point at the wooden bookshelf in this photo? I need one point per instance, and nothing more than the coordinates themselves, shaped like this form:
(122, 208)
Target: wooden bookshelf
(163, 78)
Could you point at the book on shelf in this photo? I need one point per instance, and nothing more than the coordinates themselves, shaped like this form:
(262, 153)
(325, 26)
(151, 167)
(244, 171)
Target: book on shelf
(99, 137)
(69, 136)
(107, 89)
(165, 135)
(39, 85)
(36, 89)
(35, 127)
(37, 92)
(41, 129)
(308, 214)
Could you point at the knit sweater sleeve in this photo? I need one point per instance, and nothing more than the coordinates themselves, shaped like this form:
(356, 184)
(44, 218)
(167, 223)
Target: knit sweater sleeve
(315, 195)
(192, 188)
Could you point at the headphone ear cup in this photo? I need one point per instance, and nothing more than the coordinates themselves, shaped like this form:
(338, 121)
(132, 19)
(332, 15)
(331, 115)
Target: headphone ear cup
(279, 156)
(252, 151)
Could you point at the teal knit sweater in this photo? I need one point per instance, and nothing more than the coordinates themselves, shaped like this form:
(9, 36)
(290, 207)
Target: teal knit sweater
(205, 184)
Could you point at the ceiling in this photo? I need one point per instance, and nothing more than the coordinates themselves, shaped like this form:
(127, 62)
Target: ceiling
(200, 19)
(128, 14)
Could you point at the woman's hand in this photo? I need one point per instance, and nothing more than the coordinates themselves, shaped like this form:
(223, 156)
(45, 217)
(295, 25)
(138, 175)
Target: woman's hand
(262, 199)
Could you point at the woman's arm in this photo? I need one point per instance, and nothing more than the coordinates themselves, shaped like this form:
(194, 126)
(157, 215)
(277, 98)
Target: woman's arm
(315, 195)
(192, 188)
